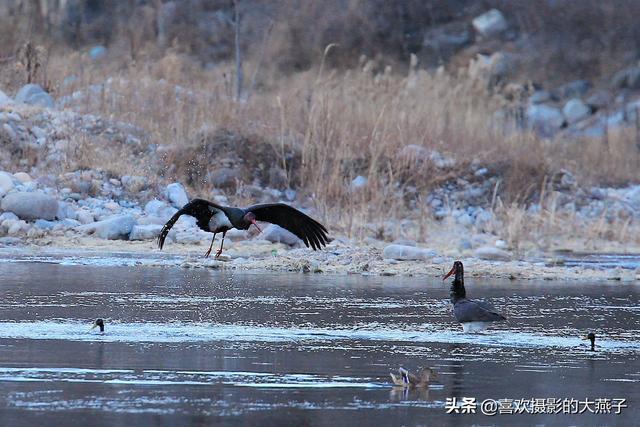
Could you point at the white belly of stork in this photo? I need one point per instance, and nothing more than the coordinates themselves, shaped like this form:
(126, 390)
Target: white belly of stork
(219, 223)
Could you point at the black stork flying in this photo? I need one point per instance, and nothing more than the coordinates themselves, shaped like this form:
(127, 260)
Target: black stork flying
(473, 315)
(215, 219)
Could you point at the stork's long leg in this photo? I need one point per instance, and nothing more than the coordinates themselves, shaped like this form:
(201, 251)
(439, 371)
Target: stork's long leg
(221, 245)
(206, 255)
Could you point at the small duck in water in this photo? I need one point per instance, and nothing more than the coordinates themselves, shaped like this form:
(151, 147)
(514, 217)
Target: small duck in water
(591, 337)
(99, 323)
(408, 380)
(473, 315)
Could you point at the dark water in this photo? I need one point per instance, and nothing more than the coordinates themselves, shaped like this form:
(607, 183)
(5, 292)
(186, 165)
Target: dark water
(199, 347)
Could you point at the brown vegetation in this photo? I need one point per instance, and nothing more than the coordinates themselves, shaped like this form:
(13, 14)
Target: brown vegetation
(322, 115)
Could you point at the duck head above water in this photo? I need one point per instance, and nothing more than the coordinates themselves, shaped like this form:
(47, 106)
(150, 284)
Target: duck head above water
(408, 380)
(99, 323)
(591, 337)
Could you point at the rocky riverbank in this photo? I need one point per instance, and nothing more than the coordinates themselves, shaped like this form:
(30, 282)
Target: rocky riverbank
(50, 198)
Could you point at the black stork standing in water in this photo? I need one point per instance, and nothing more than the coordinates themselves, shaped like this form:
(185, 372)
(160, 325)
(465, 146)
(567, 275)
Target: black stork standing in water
(215, 219)
(591, 337)
(473, 315)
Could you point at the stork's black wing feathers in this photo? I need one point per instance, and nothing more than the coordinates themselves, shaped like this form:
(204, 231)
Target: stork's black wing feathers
(198, 208)
(476, 311)
(310, 231)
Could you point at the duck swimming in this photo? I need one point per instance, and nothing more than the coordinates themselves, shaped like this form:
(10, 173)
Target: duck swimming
(98, 323)
(473, 315)
(408, 380)
(591, 337)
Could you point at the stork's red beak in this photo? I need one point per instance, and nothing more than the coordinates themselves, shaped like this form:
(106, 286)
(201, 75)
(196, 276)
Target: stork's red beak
(453, 269)
(254, 223)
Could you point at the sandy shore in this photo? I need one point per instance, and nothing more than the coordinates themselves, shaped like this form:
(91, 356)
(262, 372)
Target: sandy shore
(339, 257)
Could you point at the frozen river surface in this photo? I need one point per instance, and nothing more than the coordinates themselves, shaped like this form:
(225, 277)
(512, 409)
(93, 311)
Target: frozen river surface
(185, 347)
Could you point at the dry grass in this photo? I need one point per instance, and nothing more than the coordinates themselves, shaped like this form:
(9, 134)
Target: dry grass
(323, 127)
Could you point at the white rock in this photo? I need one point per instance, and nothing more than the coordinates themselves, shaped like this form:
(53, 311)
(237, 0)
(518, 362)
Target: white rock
(501, 244)
(276, 234)
(116, 227)
(6, 183)
(150, 219)
(69, 223)
(4, 99)
(23, 177)
(544, 119)
(177, 195)
(30, 205)
(490, 23)
(34, 95)
(157, 208)
(44, 224)
(359, 182)
(465, 220)
(65, 210)
(492, 254)
(402, 252)
(18, 227)
(148, 232)
(575, 110)
(8, 215)
(85, 216)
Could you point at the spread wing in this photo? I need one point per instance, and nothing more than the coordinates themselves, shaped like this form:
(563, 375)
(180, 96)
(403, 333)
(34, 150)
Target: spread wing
(310, 231)
(200, 209)
(476, 311)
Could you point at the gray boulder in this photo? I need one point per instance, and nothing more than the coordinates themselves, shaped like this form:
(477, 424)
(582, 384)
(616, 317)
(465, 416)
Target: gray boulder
(4, 99)
(572, 89)
(406, 253)
(445, 40)
(8, 215)
(177, 195)
(114, 228)
(276, 234)
(599, 99)
(490, 23)
(85, 216)
(492, 254)
(31, 206)
(147, 232)
(33, 94)
(65, 210)
(544, 119)
(7, 183)
(159, 209)
(575, 110)
(44, 224)
(540, 96)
